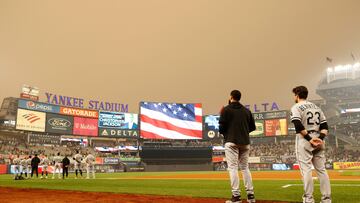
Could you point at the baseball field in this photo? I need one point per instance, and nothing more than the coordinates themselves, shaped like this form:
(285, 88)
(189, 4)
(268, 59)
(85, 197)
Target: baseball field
(270, 186)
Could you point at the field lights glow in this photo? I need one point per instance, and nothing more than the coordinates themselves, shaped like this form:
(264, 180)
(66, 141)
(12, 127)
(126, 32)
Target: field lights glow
(344, 68)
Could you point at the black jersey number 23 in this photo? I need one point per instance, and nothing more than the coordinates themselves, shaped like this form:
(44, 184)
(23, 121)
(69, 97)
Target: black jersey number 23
(313, 119)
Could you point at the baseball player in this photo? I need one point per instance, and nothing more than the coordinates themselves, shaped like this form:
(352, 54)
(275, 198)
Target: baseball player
(77, 165)
(235, 124)
(311, 129)
(57, 165)
(28, 165)
(17, 165)
(90, 165)
(44, 164)
(24, 166)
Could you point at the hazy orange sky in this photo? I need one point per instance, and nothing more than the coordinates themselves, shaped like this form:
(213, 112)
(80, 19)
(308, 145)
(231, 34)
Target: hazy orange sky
(175, 51)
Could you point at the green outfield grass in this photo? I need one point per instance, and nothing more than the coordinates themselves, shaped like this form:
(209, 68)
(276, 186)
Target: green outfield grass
(285, 190)
(350, 173)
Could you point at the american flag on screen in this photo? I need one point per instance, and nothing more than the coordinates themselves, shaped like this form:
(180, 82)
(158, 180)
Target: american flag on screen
(170, 121)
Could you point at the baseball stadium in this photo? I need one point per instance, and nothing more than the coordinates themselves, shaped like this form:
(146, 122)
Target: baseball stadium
(135, 163)
(160, 101)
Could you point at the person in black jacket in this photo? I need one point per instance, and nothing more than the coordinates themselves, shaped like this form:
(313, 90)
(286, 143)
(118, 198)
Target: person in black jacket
(235, 124)
(34, 165)
(65, 166)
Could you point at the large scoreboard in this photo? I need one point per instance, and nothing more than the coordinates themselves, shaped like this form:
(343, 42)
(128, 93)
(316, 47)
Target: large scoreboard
(273, 123)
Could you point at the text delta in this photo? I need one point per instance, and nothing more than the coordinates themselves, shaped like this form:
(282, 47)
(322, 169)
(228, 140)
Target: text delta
(266, 106)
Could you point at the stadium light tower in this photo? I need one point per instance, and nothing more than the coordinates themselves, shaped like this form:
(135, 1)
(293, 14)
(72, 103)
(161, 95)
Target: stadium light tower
(348, 71)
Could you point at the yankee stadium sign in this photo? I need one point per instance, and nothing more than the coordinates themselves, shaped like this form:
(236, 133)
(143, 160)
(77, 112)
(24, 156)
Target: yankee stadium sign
(82, 103)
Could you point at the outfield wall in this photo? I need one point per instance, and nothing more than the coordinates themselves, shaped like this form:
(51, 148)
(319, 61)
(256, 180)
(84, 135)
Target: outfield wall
(221, 166)
(179, 167)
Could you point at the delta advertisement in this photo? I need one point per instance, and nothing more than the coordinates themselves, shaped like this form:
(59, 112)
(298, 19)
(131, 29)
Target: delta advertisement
(38, 106)
(85, 126)
(56, 123)
(112, 124)
(126, 121)
(346, 165)
(111, 132)
(30, 120)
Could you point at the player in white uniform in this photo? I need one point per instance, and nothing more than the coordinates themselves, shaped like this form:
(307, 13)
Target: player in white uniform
(77, 165)
(44, 164)
(90, 165)
(24, 167)
(28, 164)
(57, 165)
(16, 163)
(311, 129)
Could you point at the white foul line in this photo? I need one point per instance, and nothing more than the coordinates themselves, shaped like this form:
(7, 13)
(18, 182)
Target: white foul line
(335, 185)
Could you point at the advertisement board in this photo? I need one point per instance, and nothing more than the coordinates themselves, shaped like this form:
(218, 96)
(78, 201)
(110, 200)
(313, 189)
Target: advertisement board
(38, 138)
(216, 159)
(272, 123)
(111, 132)
(259, 132)
(346, 165)
(3, 168)
(126, 121)
(99, 160)
(211, 122)
(211, 127)
(281, 167)
(28, 96)
(270, 115)
(110, 160)
(30, 120)
(56, 123)
(85, 126)
(78, 112)
(38, 106)
(268, 159)
(259, 166)
(276, 127)
(136, 168)
(254, 159)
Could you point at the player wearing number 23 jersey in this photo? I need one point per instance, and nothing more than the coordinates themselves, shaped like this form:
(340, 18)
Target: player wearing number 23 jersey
(311, 128)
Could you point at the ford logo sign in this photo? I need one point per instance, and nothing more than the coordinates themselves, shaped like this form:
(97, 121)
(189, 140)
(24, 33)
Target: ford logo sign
(59, 122)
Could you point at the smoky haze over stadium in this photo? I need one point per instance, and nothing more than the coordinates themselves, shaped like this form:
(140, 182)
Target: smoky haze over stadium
(184, 51)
